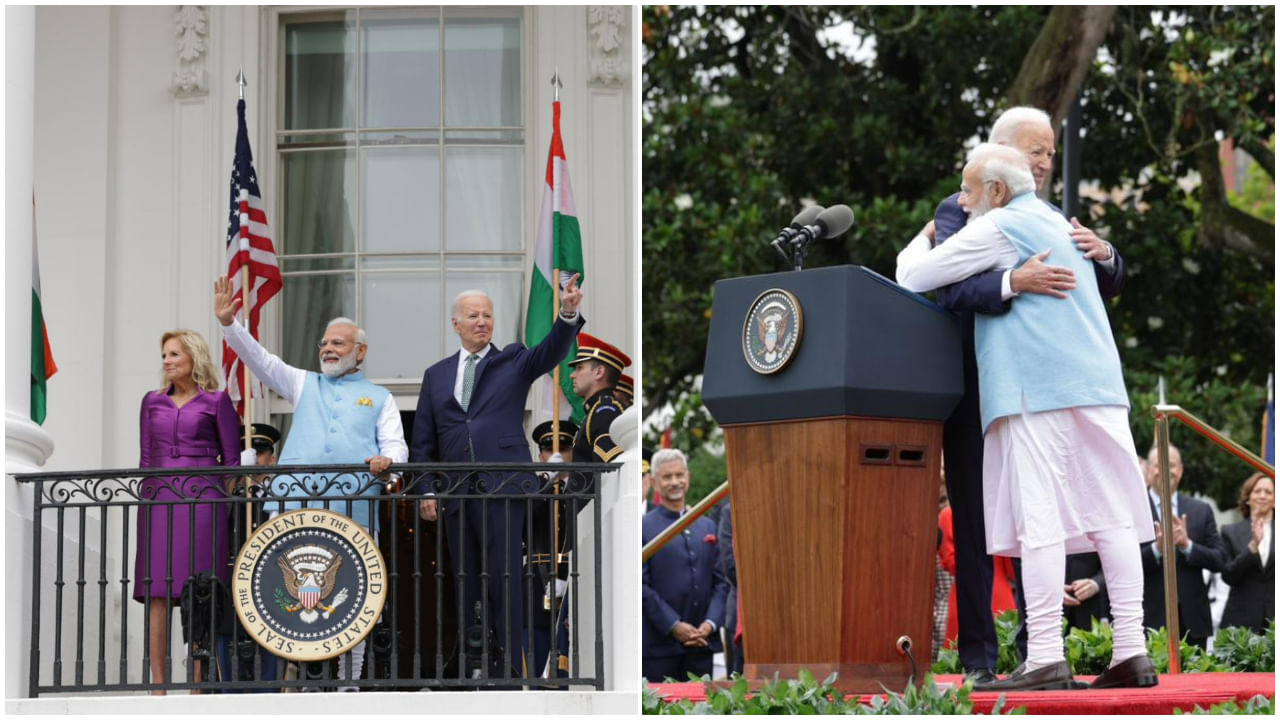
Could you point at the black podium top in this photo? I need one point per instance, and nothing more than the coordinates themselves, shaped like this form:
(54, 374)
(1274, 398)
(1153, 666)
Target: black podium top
(869, 348)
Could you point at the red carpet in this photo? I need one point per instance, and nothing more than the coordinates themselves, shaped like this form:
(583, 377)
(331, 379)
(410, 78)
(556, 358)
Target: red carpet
(1174, 691)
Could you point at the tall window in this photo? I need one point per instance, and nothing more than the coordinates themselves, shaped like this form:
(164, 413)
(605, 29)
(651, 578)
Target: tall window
(401, 141)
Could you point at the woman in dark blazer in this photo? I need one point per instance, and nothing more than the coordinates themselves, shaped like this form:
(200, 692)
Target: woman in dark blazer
(1250, 569)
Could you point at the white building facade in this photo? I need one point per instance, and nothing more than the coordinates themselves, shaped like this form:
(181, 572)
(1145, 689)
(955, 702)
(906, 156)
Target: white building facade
(400, 153)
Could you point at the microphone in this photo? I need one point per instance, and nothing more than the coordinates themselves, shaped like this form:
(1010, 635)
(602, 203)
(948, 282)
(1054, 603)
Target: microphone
(831, 222)
(804, 217)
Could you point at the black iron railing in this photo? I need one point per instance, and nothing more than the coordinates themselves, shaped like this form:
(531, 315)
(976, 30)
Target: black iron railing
(89, 566)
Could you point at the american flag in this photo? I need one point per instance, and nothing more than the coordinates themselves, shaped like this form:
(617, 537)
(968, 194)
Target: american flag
(248, 243)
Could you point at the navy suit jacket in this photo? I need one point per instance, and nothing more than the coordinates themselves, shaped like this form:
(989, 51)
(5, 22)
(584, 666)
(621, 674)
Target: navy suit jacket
(683, 581)
(1207, 553)
(492, 427)
(981, 293)
(1252, 601)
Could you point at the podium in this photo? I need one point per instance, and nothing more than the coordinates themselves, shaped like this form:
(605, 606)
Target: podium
(834, 461)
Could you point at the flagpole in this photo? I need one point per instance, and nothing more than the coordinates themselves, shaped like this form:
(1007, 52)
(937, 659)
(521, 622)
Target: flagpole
(246, 420)
(555, 410)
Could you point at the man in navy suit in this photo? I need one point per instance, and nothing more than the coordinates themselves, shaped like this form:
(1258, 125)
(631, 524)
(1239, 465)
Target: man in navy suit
(471, 409)
(1199, 548)
(684, 585)
(1029, 131)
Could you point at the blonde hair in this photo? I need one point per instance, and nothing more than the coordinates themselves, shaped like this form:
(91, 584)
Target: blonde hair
(203, 371)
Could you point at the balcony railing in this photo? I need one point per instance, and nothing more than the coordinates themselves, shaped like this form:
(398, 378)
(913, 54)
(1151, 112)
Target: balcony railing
(89, 634)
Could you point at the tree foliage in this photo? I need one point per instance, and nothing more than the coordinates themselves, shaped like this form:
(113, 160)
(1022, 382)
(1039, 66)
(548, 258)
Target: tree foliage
(750, 111)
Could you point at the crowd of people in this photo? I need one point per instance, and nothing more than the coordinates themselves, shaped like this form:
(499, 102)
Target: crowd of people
(470, 409)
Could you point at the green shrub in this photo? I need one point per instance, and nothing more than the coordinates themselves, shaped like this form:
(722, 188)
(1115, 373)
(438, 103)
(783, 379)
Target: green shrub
(1241, 650)
(948, 662)
(806, 696)
(1088, 651)
(1190, 657)
(1256, 705)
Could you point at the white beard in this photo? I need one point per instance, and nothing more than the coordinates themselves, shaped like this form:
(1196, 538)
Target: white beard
(340, 368)
(982, 208)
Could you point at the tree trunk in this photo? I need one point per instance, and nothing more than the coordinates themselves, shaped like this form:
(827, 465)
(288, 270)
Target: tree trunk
(1223, 226)
(1055, 66)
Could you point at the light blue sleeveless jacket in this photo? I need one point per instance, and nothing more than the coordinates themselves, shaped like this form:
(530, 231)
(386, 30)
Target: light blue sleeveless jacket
(1054, 353)
(335, 423)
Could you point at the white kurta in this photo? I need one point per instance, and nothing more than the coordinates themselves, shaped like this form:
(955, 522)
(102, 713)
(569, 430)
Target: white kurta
(1056, 476)
(1047, 477)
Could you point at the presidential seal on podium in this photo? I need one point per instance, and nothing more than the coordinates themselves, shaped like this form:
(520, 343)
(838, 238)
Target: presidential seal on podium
(772, 331)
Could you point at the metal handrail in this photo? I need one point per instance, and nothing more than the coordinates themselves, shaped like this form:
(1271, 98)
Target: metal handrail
(684, 521)
(1162, 413)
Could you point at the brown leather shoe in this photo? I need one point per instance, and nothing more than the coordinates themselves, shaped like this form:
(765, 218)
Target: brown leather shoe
(1050, 677)
(1135, 672)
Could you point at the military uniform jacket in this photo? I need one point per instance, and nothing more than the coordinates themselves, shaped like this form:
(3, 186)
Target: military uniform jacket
(593, 442)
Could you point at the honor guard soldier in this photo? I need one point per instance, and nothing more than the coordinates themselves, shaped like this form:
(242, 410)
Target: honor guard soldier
(596, 370)
(548, 587)
(264, 440)
(625, 391)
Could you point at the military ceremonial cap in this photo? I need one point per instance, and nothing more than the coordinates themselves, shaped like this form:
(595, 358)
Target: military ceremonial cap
(646, 457)
(542, 434)
(593, 348)
(626, 386)
(264, 437)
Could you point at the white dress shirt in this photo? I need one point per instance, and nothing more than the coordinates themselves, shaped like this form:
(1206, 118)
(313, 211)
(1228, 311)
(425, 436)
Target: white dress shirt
(289, 382)
(978, 247)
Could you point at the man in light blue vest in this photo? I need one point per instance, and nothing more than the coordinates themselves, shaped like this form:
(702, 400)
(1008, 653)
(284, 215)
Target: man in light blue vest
(339, 418)
(1060, 474)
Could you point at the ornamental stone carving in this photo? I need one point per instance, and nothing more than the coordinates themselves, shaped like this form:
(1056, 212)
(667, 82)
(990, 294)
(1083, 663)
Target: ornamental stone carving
(605, 33)
(191, 28)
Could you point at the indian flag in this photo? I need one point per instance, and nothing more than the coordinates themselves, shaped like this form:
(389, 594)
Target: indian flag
(559, 246)
(42, 365)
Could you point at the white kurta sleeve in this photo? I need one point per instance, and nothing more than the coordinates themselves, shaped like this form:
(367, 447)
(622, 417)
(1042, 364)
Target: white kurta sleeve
(391, 442)
(270, 369)
(976, 248)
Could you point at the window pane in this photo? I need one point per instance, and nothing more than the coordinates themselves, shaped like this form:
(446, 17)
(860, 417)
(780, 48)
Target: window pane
(484, 262)
(401, 199)
(319, 75)
(316, 264)
(403, 317)
(483, 198)
(401, 68)
(504, 289)
(310, 302)
(319, 202)
(482, 72)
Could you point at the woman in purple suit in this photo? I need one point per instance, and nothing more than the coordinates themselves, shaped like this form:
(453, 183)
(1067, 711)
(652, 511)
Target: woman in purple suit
(187, 423)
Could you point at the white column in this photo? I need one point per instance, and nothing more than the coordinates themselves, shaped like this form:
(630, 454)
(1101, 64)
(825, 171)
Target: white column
(26, 445)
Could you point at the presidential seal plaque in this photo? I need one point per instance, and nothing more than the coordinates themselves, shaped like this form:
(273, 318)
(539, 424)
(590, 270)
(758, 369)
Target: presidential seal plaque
(309, 584)
(772, 331)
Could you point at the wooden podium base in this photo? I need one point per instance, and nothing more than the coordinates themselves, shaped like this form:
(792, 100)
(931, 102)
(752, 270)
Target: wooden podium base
(836, 527)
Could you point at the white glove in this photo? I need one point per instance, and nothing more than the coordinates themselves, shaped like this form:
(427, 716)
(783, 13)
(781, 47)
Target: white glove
(248, 456)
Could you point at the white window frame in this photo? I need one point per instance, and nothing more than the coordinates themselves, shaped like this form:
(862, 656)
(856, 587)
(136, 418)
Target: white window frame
(404, 391)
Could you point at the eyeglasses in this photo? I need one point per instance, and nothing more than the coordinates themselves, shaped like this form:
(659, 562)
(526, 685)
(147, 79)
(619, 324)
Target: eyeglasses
(336, 344)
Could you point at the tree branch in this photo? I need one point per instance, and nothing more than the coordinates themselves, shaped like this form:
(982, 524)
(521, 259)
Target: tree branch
(1055, 66)
(1221, 225)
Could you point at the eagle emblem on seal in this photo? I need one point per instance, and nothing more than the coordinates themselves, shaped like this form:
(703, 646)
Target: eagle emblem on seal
(770, 328)
(309, 572)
